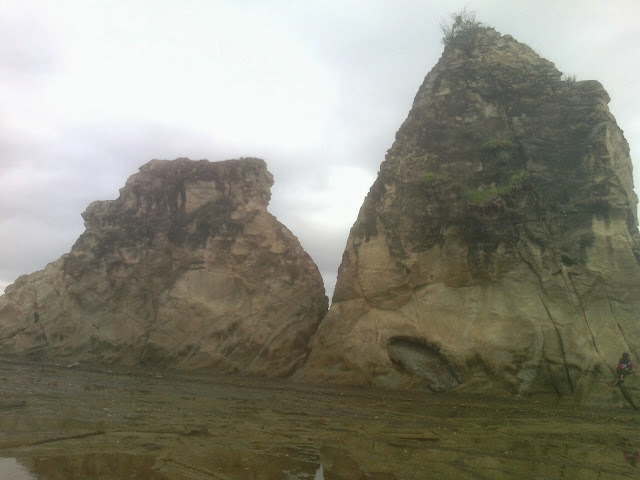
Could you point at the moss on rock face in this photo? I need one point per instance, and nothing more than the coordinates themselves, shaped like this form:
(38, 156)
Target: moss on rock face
(495, 144)
(480, 196)
(505, 234)
(431, 177)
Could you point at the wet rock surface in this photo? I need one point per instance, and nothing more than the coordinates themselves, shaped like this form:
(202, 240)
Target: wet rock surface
(67, 423)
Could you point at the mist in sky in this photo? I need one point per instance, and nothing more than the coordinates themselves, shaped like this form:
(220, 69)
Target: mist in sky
(92, 90)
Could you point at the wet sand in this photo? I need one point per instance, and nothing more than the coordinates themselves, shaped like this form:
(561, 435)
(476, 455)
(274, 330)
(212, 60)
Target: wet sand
(79, 423)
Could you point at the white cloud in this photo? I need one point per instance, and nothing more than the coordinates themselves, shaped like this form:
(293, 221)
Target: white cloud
(90, 90)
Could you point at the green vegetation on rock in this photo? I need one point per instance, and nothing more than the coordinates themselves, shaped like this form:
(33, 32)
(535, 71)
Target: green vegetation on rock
(480, 196)
(495, 144)
(462, 30)
(431, 177)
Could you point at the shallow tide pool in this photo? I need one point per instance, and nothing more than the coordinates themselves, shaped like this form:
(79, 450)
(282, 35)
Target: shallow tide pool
(11, 469)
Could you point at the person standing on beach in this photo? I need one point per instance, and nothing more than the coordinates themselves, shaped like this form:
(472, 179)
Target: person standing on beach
(625, 367)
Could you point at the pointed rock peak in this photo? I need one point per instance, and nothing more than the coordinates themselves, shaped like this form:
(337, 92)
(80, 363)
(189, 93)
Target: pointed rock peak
(497, 249)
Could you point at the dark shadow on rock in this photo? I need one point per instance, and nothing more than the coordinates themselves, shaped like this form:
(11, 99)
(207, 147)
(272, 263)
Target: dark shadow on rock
(425, 360)
(627, 396)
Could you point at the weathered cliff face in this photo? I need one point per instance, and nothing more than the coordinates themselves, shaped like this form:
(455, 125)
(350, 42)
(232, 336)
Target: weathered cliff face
(185, 269)
(498, 246)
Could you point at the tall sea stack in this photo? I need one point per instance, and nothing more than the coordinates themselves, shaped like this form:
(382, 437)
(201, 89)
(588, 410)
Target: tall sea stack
(498, 248)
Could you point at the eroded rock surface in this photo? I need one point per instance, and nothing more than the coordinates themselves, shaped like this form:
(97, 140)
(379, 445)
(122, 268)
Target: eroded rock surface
(499, 241)
(185, 269)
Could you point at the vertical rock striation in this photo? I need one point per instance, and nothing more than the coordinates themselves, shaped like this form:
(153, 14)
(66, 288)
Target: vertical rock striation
(498, 247)
(185, 269)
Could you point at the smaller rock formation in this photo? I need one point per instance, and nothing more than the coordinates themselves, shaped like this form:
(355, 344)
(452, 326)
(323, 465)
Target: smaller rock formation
(185, 269)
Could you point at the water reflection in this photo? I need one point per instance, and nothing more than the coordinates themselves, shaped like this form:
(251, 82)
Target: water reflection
(207, 461)
(223, 463)
(10, 469)
(88, 426)
(117, 466)
(104, 466)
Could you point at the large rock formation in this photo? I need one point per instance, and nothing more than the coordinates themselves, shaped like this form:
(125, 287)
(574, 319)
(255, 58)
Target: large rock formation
(185, 269)
(498, 247)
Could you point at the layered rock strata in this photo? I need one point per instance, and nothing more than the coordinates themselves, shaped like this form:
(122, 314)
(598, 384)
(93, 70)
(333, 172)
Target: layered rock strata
(185, 269)
(498, 247)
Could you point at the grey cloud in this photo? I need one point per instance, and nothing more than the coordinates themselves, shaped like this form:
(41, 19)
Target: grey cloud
(375, 56)
(27, 45)
(32, 245)
(325, 246)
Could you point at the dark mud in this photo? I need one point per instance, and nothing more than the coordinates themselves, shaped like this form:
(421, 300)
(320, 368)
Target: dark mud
(75, 423)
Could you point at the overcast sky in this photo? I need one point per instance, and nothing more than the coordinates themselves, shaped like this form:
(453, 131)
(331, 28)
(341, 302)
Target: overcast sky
(91, 90)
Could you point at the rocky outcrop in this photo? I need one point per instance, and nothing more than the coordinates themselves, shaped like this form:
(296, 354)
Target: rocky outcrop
(498, 247)
(185, 269)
